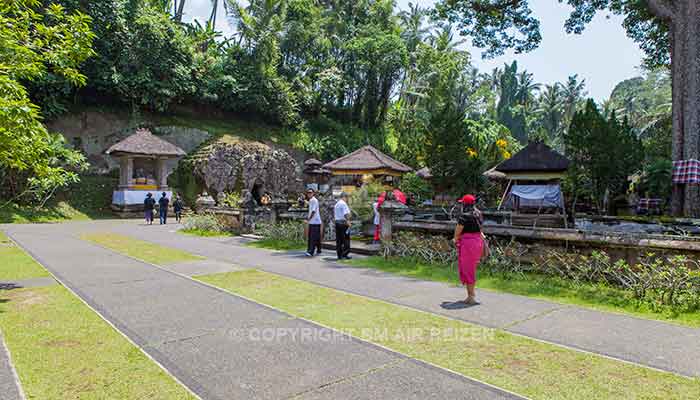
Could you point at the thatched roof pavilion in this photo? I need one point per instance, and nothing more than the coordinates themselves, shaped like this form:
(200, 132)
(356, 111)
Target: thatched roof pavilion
(142, 167)
(367, 161)
(536, 161)
(533, 176)
(144, 143)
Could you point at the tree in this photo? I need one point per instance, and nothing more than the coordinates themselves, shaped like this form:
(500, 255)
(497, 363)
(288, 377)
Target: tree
(604, 152)
(667, 30)
(33, 43)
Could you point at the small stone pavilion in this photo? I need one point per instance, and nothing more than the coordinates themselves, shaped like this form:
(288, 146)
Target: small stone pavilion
(365, 163)
(142, 169)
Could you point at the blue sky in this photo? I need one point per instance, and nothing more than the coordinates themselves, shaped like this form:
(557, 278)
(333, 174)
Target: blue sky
(602, 55)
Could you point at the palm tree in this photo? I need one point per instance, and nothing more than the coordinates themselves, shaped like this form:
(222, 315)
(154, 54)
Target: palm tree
(574, 91)
(551, 111)
(178, 9)
(526, 88)
(414, 30)
(214, 9)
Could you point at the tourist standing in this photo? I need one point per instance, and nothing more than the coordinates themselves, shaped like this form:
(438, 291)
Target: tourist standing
(314, 222)
(163, 208)
(376, 222)
(341, 213)
(470, 245)
(177, 207)
(148, 205)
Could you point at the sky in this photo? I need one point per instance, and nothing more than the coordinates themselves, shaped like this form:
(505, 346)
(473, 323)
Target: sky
(603, 55)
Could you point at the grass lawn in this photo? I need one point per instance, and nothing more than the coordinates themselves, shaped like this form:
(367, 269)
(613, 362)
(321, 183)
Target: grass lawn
(524, 366)
(15, 264)
(204, 233)
(63, 350)
(276, 244)
(600, 297)
(140, 249)
(88, 199)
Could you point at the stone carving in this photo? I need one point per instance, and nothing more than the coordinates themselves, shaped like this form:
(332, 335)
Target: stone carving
(250, 168)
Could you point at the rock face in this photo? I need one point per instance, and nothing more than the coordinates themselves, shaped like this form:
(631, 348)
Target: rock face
(249, 168)
(93, 132)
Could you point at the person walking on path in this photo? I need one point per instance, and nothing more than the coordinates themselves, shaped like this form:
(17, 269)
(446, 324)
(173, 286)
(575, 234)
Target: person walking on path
(314, 224)
(148, 205)
(376, 222)
(341, 213)
(163, 208)
(177, 207)
(470, 245)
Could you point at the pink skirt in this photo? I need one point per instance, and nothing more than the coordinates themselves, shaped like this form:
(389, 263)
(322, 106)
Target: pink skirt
(470, 246)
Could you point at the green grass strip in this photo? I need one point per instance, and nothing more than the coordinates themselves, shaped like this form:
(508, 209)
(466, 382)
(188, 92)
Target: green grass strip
(140, 249)
(598, 297)
(204, 233)
(15, 264)
(524, 366)
(61, 350)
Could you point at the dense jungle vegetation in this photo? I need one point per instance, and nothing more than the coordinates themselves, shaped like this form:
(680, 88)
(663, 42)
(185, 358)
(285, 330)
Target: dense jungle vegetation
(333, 74)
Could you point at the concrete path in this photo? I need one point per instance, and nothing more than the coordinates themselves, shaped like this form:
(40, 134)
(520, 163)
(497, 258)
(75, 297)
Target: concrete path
(651, 343)
(225, 347)
(9, 384)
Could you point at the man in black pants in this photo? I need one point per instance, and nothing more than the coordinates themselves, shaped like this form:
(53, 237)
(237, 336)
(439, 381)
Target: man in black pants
(314, 223)
(341, 213)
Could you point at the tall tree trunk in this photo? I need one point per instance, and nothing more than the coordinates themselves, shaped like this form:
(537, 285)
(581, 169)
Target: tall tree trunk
(180, 10)
(684, 23)
(214, 9)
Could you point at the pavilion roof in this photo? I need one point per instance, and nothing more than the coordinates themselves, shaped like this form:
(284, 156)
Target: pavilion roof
(367, 158)
(535, 157)
(143, 142)
(312, 162)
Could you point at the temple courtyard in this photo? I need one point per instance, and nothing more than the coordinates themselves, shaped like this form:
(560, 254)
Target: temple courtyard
(116, 309)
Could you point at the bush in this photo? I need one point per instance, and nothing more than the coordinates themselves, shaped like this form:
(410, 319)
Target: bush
(204, 223)
(361, 201)
(289, 232)
(412, 184)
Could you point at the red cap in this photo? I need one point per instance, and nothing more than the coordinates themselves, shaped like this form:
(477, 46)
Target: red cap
(467, 199)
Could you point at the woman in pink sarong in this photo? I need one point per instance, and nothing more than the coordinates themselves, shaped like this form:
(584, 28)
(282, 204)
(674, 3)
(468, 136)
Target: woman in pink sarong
(470, 244)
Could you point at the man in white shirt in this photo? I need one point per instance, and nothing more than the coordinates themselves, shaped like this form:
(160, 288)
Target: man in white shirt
(314, 221)
(341, 213)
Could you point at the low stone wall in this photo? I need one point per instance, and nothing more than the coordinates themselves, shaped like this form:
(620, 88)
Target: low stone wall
(540, 240)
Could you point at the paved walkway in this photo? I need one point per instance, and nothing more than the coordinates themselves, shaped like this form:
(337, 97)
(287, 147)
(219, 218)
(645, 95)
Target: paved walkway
(222, 346)
(655, 344)
(9, 385)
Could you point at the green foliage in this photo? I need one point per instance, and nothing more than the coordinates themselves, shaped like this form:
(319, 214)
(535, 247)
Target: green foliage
(495, 26)
(412, 184)
(604, 152)
(283, 235)
(361, 201)
(657, 178)
(157, 72)
(33, 162)
(203, 224)
(231, 199)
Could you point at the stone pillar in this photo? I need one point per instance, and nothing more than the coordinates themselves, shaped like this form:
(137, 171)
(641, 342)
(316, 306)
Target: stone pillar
(126, 171)
(390, 211)
(161, 174)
